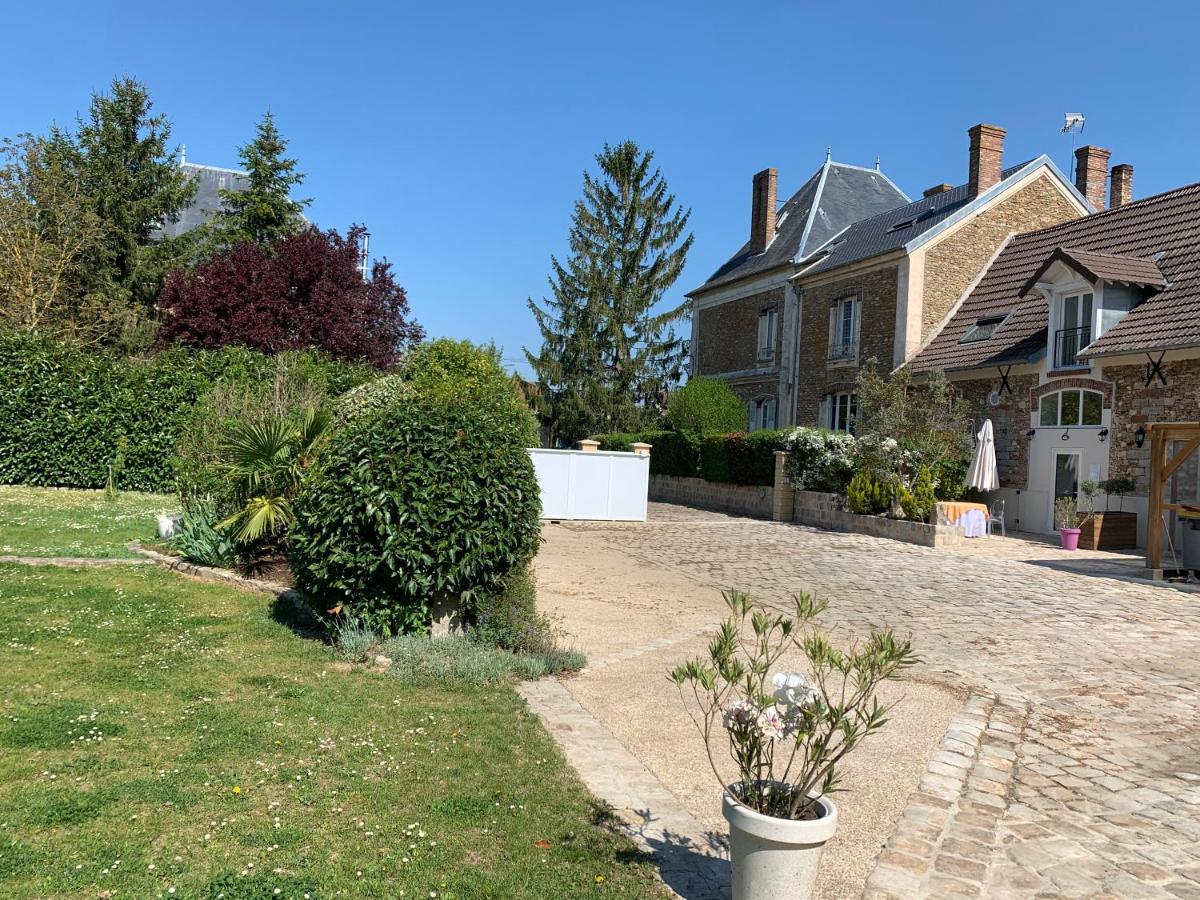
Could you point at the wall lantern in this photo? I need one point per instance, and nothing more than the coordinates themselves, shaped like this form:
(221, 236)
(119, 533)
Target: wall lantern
(1139, 436)
(1102, 434)
(1066, 435)
(1031, 432)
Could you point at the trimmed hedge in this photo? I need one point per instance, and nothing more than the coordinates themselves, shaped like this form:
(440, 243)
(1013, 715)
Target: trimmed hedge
(738, 458)
(741, 458)
(64, 409)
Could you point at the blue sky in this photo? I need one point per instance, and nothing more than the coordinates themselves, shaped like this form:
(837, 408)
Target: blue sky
(458, 132)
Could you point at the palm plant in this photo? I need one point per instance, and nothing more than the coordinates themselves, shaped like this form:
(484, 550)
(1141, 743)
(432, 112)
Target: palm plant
(265, 462)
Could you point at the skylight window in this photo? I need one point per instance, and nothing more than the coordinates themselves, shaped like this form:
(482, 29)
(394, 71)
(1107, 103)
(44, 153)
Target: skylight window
(982, 329)
(905, 223)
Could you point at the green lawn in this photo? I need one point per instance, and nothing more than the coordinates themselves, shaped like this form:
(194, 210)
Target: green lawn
(48, 522)
(164, 737)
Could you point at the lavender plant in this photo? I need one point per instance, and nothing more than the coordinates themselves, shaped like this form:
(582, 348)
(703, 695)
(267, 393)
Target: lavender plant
(786, 732)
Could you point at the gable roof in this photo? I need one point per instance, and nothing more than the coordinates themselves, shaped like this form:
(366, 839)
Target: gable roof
(1097, 267)
(210, 181)
(1164, 230)
(834, 197)
(908, 226)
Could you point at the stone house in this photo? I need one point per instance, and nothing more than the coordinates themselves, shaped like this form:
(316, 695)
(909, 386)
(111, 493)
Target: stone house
(791, 317)
(1074, 337)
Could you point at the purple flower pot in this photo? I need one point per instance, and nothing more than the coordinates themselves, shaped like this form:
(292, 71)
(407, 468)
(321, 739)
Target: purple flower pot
(1070, 538)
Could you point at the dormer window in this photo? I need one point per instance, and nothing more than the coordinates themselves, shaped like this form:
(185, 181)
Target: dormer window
(982, 329)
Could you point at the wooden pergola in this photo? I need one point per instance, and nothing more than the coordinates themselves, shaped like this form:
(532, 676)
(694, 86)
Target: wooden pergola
(1161, 434)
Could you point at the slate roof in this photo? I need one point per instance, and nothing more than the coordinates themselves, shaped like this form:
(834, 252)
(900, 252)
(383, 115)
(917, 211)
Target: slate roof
(836, 196)
(1163, 230)
(207, 202)
(893, 229)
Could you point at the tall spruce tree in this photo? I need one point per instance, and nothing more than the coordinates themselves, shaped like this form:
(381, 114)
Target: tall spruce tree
(607, 357)
(134, 184)
(265, 211)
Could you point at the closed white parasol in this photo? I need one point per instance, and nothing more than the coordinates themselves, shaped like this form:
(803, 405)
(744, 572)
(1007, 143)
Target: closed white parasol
(983, 474)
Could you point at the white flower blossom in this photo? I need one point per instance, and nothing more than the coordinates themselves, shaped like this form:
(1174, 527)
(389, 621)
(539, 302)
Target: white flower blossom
(793, 689)
(739, 715)
(771, 725)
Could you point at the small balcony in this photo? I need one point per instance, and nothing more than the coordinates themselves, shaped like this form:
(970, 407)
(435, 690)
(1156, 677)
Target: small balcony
(1067, 344)
(843, 351)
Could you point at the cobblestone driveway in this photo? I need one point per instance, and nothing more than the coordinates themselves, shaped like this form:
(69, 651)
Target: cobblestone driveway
(1081, 778)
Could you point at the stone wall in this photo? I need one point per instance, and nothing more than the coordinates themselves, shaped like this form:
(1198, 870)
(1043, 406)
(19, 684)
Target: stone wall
(754, 501)
(823, 511)
(815, 376)
(727, 334)
(952, 263)
(1010, 422)
(1136, 404)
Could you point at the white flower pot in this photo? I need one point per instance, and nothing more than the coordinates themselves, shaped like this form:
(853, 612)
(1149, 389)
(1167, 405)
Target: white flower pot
(775, 859)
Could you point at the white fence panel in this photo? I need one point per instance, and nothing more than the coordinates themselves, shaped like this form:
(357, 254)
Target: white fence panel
(580, 485)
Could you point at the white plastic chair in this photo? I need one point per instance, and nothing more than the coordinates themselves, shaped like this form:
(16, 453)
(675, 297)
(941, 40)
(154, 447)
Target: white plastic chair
(996, 517)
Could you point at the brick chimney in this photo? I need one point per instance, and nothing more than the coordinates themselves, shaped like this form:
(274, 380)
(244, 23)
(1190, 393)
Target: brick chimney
(762, 210)
(1091, 173)
(1121, 191)
(987, 156)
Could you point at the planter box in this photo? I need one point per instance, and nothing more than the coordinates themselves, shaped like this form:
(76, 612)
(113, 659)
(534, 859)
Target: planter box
(1109, 531)
(821, 511)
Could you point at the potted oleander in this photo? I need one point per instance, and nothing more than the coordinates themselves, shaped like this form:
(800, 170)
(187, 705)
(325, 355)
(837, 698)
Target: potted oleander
(785, 733)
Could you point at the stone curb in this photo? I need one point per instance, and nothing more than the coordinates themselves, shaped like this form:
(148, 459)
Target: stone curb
(948, 832)
(210, 573)
(691, 862)
(72, 561)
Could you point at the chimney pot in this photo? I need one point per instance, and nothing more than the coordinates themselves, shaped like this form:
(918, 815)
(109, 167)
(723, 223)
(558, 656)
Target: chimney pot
(987, 157)
(1091, 173)
(1122, 185)
(762, 210)
(937, 189)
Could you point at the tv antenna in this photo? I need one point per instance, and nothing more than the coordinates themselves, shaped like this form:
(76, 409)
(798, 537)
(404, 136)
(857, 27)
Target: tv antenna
(1073, 123)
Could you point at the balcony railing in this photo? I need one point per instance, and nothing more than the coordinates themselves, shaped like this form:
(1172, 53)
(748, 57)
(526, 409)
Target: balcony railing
(843, 351)
(1067, 344)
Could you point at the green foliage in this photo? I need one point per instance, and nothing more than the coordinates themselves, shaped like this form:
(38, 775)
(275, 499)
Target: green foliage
(919, 502)
(607, 359)
(671, 453)
(368, 398)
(64, 408)
(265, 463)
(741, 458)
(904, 425)
(265, 211)
(464, 373)
(868, 495)
(199, 540)
(1117, 487)
(819, 459)
(458, 659)
(706, 406)
(1066, 513)
(510, 620)
(787, 735)
(432, 498)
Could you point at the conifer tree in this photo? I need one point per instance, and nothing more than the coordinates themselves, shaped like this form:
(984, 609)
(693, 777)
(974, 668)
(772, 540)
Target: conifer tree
(608, 356)
(265, 210)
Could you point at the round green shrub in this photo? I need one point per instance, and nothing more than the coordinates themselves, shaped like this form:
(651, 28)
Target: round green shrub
(706, 405)
(368, 398)
(424, 500)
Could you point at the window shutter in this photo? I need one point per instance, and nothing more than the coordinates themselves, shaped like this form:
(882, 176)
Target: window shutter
(857, 323)
(824, 414)
(833, 326)
(769, 413)
(750, 416)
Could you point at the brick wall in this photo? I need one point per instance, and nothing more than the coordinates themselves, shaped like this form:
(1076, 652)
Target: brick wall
(1010, 422)
(951, 264)
(728, 333)
(1136, 404)
(877, 336)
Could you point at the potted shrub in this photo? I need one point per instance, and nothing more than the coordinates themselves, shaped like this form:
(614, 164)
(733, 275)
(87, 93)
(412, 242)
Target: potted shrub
(1110, 529)
(1066, 516)
(785, 732)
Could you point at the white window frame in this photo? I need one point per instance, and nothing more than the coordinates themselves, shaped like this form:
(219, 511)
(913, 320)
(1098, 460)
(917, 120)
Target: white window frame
(763, 413)
(768, 320)
(843, 411)
(1062, 293)
(1059, 423)
(843, 348)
